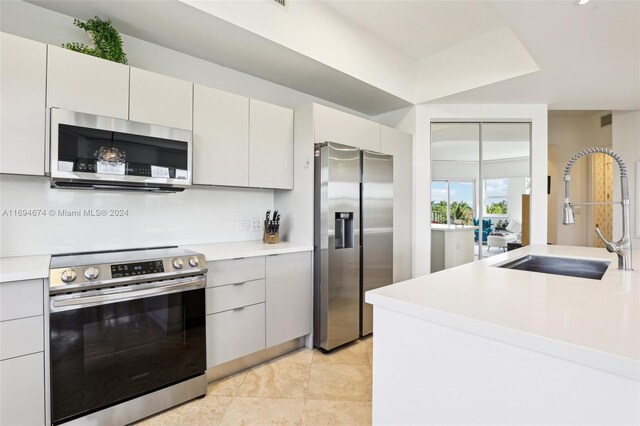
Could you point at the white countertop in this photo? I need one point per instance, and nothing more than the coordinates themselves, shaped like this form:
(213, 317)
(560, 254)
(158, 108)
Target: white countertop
(591, 322)
(22, 268)
(220, 251)
(451, 228)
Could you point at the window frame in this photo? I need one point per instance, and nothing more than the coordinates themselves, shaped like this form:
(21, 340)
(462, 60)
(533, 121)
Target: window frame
(448, 200)
(504, 197)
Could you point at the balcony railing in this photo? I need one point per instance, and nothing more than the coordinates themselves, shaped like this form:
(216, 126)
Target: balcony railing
(438, 217)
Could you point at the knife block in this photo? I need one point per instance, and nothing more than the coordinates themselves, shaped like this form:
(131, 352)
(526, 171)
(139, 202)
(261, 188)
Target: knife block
(270, 238)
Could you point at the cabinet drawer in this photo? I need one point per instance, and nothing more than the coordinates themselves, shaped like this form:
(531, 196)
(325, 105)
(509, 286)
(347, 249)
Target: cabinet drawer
(21, 337)
(236, 333)
(22, 390)
(233, 271)
(233, 296)
(19, 299)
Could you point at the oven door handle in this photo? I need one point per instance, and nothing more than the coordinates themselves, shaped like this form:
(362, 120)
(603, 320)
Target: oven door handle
(59, 304)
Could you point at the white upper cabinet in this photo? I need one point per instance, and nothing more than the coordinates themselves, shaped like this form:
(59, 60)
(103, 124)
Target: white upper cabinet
(220, 137)
(270, 146)
(83, 83)
(331, 125)
(23, 70)
(400, 145)
(158, 99)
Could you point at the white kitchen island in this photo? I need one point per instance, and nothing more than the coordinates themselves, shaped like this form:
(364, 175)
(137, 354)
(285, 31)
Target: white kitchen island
(451, 245)
(478, 344)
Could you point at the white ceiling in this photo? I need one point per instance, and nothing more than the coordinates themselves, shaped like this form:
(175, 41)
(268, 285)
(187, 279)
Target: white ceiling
(588, 56)
(420, 28)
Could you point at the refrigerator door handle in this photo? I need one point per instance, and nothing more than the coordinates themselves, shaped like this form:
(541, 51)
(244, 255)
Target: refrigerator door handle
(340, 232)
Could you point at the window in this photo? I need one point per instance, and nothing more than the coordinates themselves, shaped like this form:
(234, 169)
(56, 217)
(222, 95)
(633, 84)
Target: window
(495, 197)
(452, 201)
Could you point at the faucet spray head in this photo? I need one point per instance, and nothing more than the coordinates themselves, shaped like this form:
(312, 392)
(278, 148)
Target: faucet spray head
(567, 214)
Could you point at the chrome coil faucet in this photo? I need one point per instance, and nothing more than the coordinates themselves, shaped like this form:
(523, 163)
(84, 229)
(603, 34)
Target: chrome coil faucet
(623, 247)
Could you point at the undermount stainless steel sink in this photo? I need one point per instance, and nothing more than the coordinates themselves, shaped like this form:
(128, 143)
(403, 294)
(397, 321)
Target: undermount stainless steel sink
(581, 268)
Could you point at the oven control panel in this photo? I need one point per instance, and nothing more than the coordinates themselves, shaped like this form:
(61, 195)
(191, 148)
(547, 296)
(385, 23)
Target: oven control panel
(91, 272)
(138, 268)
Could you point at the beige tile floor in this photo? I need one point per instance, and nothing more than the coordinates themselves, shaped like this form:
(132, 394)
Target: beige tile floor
(305, 387)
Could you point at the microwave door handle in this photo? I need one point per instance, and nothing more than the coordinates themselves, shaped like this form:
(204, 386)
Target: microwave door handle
(124, 296)
(126, 188)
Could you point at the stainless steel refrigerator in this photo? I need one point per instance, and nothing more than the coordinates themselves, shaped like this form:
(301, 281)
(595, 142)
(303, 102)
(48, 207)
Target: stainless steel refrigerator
(353, 239)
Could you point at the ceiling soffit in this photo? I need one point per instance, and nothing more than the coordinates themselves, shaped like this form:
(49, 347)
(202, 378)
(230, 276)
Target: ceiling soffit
(375, 56)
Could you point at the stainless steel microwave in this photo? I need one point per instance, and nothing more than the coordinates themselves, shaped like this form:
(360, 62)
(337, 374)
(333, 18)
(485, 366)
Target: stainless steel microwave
(95, 152)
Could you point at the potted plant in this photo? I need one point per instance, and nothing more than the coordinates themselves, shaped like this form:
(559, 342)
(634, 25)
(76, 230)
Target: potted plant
(106, 42)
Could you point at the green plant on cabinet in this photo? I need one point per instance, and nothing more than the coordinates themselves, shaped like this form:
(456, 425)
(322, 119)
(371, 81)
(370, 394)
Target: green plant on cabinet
(106, 40)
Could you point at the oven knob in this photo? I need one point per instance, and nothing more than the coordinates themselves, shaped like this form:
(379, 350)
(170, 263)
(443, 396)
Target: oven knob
(178, 263)
(91, 273)
(68, 275)
(194, 261)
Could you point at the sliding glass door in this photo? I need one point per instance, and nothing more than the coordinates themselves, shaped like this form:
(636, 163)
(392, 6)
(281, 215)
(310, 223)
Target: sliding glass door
(480, 177)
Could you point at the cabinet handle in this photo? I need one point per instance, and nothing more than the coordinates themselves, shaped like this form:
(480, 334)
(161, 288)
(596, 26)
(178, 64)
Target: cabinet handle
(276, 254)
(239, 309)
(240, 283)
(238, 258)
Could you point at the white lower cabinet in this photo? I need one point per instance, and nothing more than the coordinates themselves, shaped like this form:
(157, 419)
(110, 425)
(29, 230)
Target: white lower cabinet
(246, 315)
(234, 271)
(21, 336)
(235, 333)
(21, 353)
(232, 296)
(22, 390)
(288, 297)
(21, 299)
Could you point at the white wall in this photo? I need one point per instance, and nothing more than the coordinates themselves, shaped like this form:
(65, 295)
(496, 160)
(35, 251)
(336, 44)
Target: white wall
(517, 187)
(626, 142)
(405, 119)
(197, 215)
(299, 228)
(570, 133)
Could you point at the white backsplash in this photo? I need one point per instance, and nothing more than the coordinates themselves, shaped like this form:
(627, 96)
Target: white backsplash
(197, 215)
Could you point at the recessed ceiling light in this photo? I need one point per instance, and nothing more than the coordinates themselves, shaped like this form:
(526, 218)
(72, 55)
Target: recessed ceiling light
(582, 2)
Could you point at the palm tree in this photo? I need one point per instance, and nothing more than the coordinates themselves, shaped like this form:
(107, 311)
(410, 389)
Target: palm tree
(461, 211)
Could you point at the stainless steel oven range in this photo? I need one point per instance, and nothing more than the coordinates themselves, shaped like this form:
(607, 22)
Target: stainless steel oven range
(127, 334)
